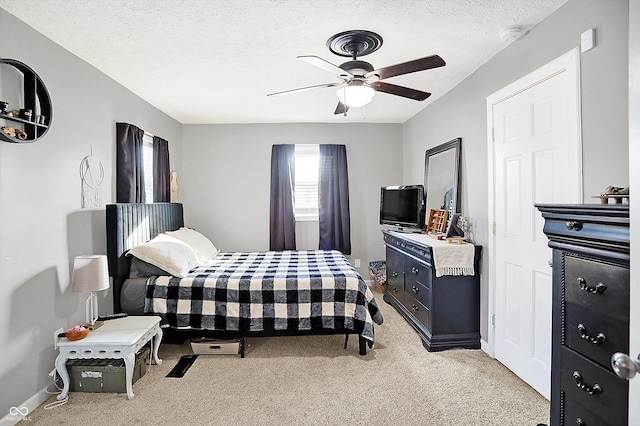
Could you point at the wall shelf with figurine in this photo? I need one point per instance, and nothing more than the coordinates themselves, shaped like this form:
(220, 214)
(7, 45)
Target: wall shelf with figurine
(25, 104)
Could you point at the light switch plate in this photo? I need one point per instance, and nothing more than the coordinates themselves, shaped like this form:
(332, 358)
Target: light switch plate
(588, 40)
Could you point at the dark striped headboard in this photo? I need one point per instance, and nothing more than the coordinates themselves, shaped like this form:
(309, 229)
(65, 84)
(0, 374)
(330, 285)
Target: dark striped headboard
(130, 224)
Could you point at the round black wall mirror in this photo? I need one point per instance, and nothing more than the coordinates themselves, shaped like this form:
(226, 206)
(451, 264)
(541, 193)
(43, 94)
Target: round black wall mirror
(25, 104)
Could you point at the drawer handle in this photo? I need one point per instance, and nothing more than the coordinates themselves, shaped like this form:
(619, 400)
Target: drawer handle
(415, 308)
(394, 274)
(414, 270)
(598, 289)
(414, 289)
(591, 390)
(573, 225)
(395, 289)
(595, 340)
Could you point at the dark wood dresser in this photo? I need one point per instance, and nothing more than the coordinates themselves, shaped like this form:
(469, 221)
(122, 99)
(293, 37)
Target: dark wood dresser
(445, 311)
(590, 311)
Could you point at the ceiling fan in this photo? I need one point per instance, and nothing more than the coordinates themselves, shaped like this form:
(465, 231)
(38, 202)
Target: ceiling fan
(359, 80)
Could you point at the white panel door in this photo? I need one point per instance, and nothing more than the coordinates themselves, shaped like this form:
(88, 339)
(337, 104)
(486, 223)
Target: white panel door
(535, 139)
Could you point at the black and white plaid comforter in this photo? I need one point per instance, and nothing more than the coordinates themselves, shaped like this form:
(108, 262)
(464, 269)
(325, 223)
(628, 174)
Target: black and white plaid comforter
(266, 291)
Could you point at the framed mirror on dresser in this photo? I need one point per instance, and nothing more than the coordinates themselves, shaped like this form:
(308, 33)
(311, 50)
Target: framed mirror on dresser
(442, 177)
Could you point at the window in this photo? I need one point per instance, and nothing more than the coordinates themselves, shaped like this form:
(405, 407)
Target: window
(307, 163)
(147, 159)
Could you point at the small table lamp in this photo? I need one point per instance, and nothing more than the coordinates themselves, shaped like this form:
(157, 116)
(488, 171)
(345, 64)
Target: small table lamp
(90, 273)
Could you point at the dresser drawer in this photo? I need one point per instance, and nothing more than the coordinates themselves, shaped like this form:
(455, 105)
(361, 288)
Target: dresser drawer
(418, 310)
(398, 293)
(600, 289)
(577, 414)
(419, 292)
(417, 272)
(595, 337)
(395, 269)
(609, 393)
(587, 230)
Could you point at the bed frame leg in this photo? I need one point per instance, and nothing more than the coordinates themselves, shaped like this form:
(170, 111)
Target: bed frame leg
(362, 342)
(241, 346)
(346, 340)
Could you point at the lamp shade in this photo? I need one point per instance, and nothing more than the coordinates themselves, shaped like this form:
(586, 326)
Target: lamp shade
(90, 273)
(356, 96)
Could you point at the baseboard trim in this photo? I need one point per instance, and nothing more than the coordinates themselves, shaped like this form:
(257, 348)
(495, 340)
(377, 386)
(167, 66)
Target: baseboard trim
(484, 345)
(31, 404)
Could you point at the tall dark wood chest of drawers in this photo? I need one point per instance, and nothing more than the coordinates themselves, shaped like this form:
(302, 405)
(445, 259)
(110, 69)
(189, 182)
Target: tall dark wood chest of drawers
(445, 311)
(590, 311)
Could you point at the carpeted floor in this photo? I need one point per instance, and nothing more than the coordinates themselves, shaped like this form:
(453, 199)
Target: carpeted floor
(312, 380)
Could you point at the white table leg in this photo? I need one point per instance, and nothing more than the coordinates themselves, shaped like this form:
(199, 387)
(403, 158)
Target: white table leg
(61, 368)
(129, 360)
(156, 345)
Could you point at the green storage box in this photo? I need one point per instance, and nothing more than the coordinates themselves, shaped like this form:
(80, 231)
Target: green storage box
(104, 375)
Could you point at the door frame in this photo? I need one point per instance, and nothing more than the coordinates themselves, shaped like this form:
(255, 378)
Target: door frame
(569, 63)
(634, 211)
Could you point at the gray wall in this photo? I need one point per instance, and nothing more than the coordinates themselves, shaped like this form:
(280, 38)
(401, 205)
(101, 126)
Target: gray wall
(226, 185)
(463, 111)
(42, 226)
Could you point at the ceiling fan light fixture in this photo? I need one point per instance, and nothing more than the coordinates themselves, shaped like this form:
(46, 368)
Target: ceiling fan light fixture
(356, 96)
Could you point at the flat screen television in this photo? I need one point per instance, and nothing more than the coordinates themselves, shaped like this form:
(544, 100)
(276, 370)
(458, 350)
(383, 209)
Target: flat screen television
(402, 206)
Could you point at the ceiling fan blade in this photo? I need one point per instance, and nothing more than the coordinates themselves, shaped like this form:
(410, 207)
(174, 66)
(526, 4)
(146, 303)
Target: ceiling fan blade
(327, 66)
(304, 89)
(405, 92)
(421, 64)
(341, 108)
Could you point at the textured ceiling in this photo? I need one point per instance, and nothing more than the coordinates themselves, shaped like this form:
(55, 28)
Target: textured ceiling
(214, 61)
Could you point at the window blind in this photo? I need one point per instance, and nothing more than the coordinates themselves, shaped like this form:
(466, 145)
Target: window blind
(306, 181)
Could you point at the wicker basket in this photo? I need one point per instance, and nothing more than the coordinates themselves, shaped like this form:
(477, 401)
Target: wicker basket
(378, 271)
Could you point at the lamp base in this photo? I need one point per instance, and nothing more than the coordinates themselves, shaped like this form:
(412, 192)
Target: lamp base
(95, 326)
(91, 309)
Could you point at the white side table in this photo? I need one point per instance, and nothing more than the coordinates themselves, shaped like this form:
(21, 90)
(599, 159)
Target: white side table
(116, 338)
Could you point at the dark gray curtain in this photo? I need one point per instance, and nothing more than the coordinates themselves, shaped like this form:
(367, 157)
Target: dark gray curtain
(333, 199)
(282, 221)
(129, 164)
(161, 172)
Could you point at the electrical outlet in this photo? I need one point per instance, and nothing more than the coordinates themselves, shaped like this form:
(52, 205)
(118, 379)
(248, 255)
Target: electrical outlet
(357, 263)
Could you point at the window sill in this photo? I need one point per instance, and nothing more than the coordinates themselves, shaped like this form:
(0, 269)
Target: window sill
(306, 218)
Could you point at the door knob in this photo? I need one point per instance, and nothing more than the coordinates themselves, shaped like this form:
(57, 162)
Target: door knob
(624, 366)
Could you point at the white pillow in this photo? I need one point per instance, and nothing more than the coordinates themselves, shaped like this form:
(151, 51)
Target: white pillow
(200, 244)
(167, 253)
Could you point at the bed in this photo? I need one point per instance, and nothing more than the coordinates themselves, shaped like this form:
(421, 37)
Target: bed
(237, 295)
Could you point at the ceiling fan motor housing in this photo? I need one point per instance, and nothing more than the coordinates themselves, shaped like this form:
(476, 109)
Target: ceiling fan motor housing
(357, 68)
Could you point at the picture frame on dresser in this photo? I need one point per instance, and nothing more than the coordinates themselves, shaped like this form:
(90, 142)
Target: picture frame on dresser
(452, 227)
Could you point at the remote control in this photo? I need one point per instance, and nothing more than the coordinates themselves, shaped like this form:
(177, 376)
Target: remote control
(112, 316)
